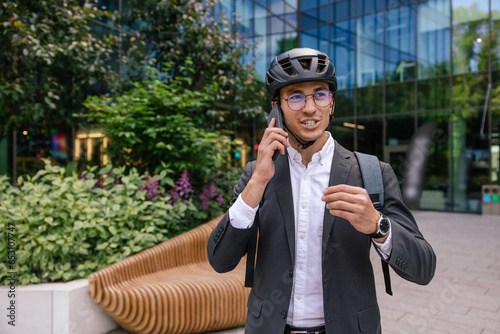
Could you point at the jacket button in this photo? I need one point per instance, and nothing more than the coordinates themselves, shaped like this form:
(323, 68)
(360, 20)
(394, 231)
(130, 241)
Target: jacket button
(290, 273)
(283, 314)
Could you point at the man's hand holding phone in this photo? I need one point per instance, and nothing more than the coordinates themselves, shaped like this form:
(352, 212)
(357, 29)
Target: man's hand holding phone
(274, 139)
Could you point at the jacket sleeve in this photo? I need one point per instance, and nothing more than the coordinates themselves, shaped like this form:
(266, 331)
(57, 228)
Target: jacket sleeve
(412, 257)
(226, 244)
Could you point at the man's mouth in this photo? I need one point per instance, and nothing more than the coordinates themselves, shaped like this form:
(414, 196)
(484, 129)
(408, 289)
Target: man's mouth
(310, 122)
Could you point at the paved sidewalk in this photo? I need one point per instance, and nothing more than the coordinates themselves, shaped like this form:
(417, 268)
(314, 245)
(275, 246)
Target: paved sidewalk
(463, 297)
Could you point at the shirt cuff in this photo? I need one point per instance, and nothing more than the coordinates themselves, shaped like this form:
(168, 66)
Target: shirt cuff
(385, 249)
(241, 215)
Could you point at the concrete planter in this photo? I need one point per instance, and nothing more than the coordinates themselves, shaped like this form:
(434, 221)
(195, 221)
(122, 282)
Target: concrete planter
(54, 308)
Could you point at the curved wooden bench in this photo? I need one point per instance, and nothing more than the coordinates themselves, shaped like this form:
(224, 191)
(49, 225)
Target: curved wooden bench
(171, 288)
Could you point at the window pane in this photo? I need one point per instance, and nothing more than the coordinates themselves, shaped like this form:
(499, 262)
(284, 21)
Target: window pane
(369, 55)
(282, 43)
(399, 132)
(367, 6)
(308, 4)
(436, 186)
(400, 98)
(471, 159)
(277, 7)
(433, 94)
(469, 90)
(370, 136)
(369, 101)
(495, 147)
(395, 3)
(309, 19)
(433, 38)
(260, 20)
(291, 22)
(470, 36)
(342, 10)
(344, 104)
(495, 43)
(342, 52)
(343, 132)
(309, 39)
(245, 17)
(262, 59)
(400, 44)
(323, 39)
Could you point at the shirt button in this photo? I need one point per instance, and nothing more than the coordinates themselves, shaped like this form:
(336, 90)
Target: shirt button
(302, 236)
(249, 217)
(305, 177)
(303, 206)
(298, 297)
(301, 266)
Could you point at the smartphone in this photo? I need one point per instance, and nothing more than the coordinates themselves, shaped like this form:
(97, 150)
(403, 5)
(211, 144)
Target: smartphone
(278, 115)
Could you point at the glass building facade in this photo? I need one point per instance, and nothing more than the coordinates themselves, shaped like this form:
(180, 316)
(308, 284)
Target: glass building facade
(401, 64)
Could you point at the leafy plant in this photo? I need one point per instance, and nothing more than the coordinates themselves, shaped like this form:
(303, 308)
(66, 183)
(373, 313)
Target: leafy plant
(66, 226)
(152, 123)
(49, 59)
(171, 31)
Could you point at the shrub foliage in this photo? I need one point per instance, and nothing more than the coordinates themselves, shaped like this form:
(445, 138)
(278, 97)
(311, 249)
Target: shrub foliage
(67, 226)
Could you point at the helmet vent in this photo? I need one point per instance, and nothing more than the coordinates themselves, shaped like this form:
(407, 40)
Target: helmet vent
(322, 62)
(287, 66)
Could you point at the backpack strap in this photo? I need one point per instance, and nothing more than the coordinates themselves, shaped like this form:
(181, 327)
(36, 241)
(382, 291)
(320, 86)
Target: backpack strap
(371, 173)
(372, 178)
(251, 249)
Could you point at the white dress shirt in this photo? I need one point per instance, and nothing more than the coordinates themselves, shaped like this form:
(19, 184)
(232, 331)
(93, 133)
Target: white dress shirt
(306, 305)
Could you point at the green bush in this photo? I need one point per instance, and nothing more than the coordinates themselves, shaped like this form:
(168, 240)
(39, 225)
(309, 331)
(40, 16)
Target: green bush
(153, 123)
(68, 226)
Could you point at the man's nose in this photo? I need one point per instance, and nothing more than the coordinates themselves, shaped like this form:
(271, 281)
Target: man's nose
(310, 106)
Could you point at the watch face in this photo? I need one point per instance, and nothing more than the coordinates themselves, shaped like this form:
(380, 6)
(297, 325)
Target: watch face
(384, 225)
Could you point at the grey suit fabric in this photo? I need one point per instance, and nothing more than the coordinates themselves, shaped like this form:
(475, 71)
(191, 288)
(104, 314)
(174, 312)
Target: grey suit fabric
(350, 302)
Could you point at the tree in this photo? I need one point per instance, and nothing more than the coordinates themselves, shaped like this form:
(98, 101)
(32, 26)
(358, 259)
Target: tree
(173, 31)
(153, 124)
(49, 60)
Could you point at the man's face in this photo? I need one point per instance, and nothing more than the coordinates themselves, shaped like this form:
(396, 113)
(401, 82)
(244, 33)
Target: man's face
(310, 122)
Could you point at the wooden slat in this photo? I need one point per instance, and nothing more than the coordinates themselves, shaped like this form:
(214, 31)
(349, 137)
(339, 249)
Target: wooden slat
(171, 288)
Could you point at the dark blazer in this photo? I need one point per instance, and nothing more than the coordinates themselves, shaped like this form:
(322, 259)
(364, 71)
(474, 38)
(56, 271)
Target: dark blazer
(350, 302)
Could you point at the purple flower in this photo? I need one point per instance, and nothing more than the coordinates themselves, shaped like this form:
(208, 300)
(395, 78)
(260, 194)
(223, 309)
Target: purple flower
(152, 188)
(182, 189)
(209, 194)
(220, 199)
(183, 186)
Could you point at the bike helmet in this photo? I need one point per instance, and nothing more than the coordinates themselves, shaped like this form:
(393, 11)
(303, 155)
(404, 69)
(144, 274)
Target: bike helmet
(299, 65)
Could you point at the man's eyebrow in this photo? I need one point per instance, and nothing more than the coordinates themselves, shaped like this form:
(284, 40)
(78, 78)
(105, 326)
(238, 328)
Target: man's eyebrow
(298, 90)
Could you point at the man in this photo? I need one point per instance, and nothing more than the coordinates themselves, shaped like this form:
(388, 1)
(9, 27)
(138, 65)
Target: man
(316, 223)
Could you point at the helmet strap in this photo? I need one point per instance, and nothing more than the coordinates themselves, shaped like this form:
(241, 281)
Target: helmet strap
(301, 144)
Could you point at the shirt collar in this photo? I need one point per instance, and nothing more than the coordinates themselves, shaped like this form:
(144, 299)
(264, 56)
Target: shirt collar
(322, 156)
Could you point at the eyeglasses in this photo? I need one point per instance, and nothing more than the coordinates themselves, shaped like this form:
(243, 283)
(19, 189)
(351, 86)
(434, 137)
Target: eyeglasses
(297, 101)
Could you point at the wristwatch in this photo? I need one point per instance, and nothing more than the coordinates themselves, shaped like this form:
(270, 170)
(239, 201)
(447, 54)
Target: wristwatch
(384, 225)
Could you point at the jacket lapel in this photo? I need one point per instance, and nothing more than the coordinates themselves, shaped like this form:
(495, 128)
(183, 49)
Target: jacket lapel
(283, 188)
(339, 172)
